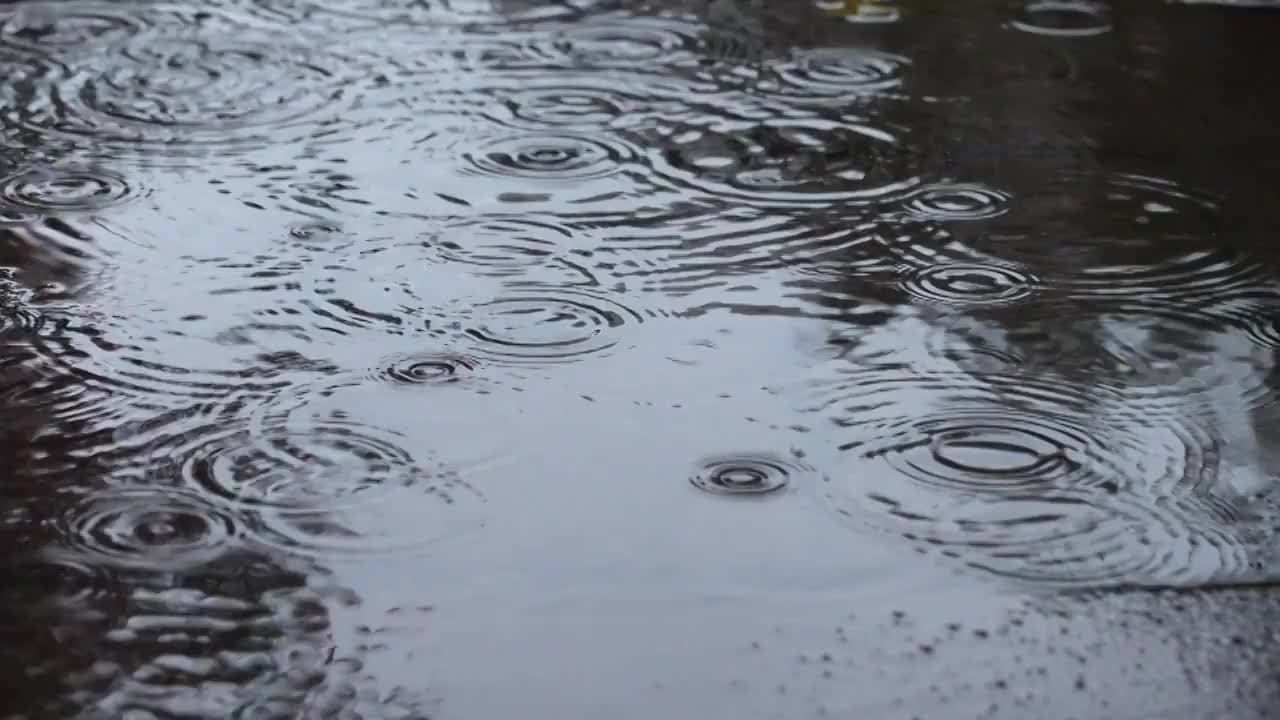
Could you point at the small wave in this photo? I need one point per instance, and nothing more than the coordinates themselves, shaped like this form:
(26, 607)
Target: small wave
(218, 87)
(957, 201)
(746, 474)
(1032, 479)
(150, 529)
(839, 72)
(426, 368)
(786, 162)
(65, 190)
(558, 156)
(549, 326)
(1063, 18)
(962, 283)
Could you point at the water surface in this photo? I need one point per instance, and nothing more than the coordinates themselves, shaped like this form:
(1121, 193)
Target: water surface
(502, 358)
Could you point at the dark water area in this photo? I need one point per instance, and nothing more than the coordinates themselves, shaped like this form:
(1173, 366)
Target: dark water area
(705, 359)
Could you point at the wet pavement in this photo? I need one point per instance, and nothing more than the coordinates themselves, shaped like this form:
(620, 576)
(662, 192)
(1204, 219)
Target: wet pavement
(704, 359)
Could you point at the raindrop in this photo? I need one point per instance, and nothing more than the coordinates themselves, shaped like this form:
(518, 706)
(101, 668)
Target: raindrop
(152, 529)
(554, 326)
(426, 368)
(745, 474)
(1064, 18)
(559, 156)
(957, 202)
(65, 191)
(969, 283)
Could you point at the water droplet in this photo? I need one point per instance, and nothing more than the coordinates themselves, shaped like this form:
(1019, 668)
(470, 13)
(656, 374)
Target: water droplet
(969, 283)
(746, 474)
(1064, 18)
(956, 202)
(156, 529)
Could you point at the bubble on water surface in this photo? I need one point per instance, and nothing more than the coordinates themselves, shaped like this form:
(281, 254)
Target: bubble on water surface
(786, 162)
(154, 529)
(554, 157)
(831, 71)
(957, 201)
(550, 326)
(746, 474)
(1063, 18)
(970, 283)
(426, 368)
(56, 190)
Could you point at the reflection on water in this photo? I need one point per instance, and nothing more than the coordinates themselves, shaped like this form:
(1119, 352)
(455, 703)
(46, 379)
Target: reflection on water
(404, 359)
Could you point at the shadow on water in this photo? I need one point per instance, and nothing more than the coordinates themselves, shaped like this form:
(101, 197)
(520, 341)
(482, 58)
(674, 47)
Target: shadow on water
(863, 359)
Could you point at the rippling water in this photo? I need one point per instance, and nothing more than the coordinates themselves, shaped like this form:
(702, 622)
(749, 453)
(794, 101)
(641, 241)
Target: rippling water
(580, 358)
